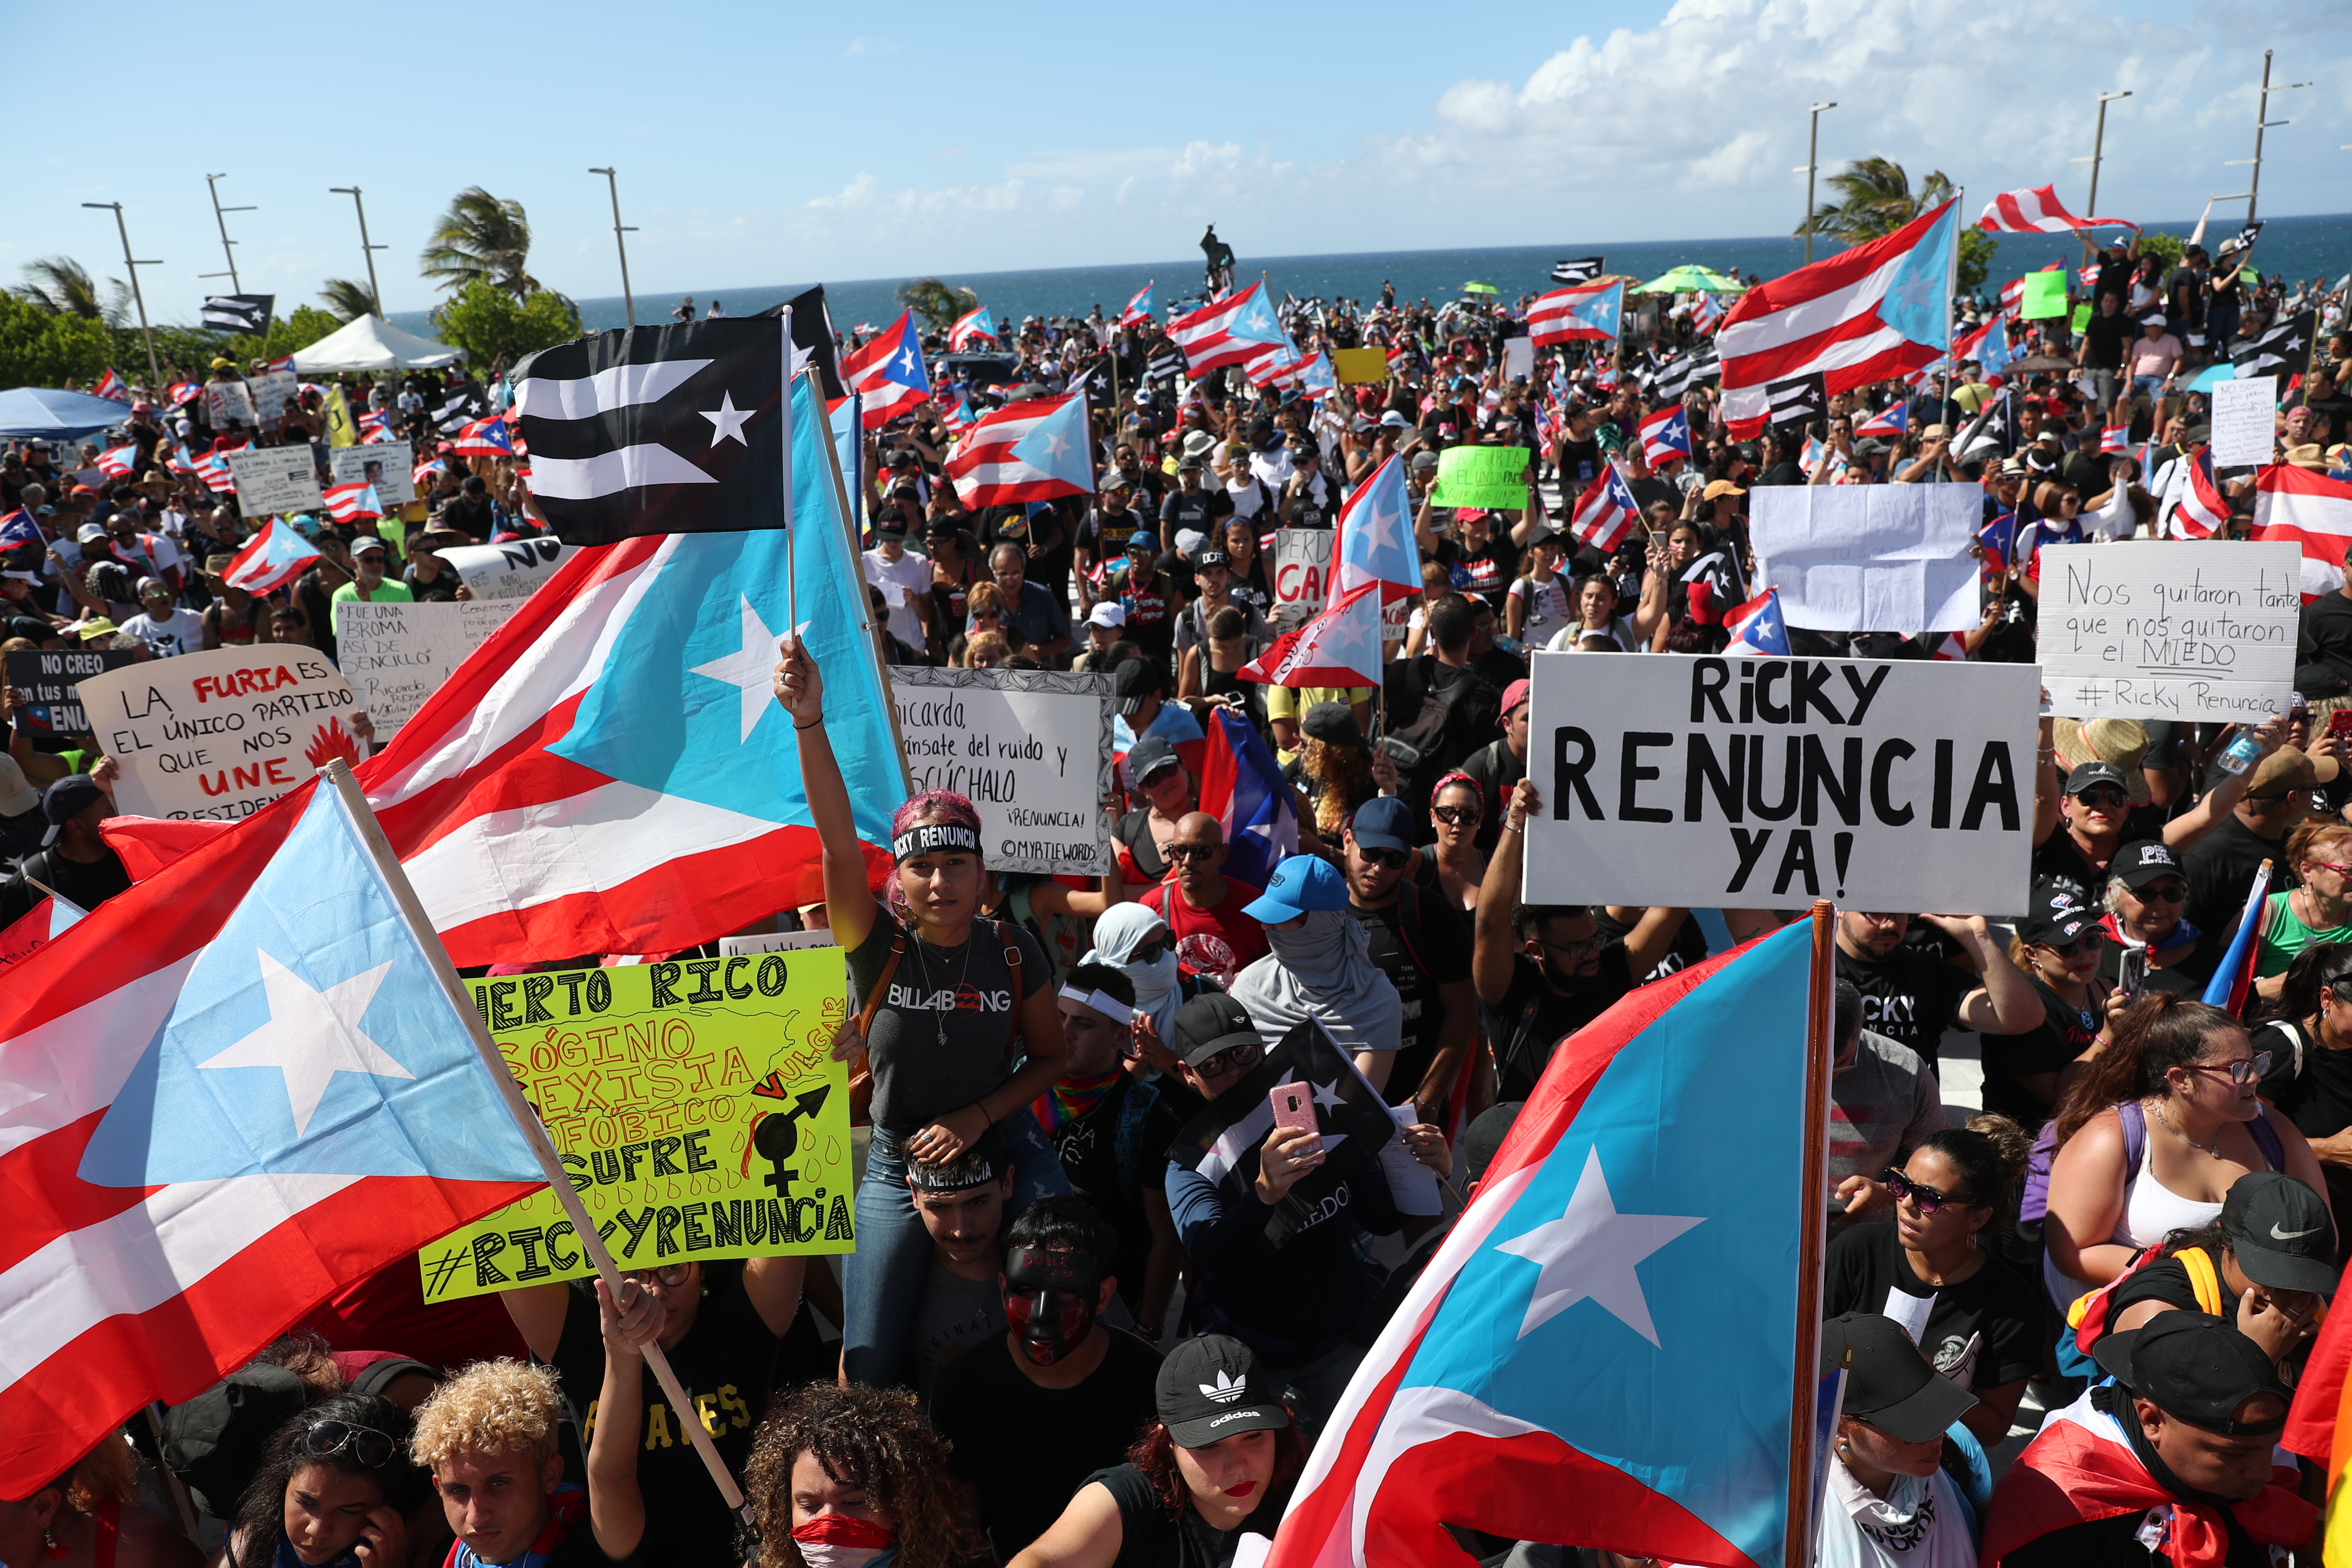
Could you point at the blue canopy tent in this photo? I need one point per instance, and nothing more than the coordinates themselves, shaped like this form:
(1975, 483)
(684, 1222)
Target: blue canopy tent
(46, 413)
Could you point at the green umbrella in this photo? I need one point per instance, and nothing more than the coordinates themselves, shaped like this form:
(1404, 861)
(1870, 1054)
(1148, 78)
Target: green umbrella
(1480, 289)
(1691, 278)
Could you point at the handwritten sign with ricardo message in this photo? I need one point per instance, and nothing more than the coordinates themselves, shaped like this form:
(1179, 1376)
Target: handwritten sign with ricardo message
(1031, 748)
(696, 1105)
(1492, 476)
(2157, 629)
(221, 734)
(395, 654)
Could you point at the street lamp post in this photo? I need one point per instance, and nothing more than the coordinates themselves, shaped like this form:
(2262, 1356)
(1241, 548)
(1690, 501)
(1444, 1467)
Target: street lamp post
(375, 295)
(154, 367)
(2263, 121)
(212, 184)
(2099, 149)
(628, 300)
(1812, 164)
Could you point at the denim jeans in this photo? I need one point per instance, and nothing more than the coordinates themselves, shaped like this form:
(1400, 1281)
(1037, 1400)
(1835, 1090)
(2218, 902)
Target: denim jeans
(882, 1281)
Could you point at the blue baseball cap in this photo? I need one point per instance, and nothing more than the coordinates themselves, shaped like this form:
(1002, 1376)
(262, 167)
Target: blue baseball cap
(1383, 822)
(1301, 883)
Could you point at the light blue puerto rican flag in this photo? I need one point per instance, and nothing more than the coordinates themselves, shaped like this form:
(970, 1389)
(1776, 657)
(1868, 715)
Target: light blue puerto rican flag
(1756, 626)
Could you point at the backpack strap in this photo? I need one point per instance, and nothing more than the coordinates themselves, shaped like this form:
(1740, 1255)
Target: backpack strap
(2204, 1278)
(1005, 932)
(861, 1076)
(2267, 1138)
(2134, 1123)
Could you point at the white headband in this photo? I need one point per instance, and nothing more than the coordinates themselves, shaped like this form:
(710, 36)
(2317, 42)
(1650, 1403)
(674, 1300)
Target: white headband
(1110, 1007)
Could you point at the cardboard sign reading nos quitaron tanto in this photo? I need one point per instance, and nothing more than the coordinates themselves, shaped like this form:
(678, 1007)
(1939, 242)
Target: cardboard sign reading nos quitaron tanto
(1764, 783)
(696, 1106)
(2165, 629)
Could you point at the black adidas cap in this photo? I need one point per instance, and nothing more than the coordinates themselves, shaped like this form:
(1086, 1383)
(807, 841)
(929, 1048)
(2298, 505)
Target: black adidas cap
(1210, 1389)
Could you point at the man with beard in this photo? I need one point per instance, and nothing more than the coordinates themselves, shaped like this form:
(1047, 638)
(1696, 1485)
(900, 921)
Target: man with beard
(1206, 910)
(1544, 971)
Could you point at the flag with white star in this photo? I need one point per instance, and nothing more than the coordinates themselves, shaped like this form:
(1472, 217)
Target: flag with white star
(233, 1090)
(684, 428)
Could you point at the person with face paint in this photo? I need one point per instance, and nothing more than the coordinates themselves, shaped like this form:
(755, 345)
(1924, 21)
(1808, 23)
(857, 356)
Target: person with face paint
(853, 1478)
(1219, 1463)
(1076, 1390)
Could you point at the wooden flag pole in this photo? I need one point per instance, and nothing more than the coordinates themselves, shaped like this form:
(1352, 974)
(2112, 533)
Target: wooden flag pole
(792, 587)
(337, 774)
(1812, 1222)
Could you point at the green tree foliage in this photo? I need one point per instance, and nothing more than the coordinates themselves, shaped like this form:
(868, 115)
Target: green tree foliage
(48, 348)
(347, 299)
(2165, 247)
(936, 303)
(486, 322)
(1976, 259)
(1874, 199)
(482, 239)
(60, 286)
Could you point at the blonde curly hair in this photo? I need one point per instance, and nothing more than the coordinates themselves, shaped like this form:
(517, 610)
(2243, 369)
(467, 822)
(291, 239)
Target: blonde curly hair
(503, 1407)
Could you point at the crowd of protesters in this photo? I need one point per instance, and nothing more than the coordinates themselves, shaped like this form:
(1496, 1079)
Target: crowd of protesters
(1057, 1343)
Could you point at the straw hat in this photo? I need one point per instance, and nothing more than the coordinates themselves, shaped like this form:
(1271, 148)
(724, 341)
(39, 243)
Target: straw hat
(2122, 742)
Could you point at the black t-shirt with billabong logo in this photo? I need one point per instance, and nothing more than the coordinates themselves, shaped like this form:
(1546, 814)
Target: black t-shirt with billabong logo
(964, 992)
(1911, 995)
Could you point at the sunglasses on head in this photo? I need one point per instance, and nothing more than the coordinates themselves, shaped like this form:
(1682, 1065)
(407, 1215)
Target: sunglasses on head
(368, 1446)
(1903, 1189)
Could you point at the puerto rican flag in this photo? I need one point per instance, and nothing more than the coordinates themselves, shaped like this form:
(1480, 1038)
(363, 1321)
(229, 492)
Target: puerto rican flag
(2233, 977)
(179, 462)
(213, 469)
(1987, 345)
(1036, 449)
(1866, 314)
(1888, 421)
(2193, 506)
(957, 415)
(484, 439)
(1757, 627)
(423, 471)
(36, 927)
(1953, 649)
(1243, 788)
(1274, 369)
(116, 462)
(349, 503)
(1666, 434)
(270, 559)
(1605, 513)
(2039, 211)
(975, 327)
(19, 527)
(1376, 542)
(1571, 315)
(1341, 647)
(111, 385)
(1138, 314)
(1707, 314)
(2115, 439)
(181, 392)
(1228, 331)
(1563, 1370)
(2312, 510)
(889, 371)
(286, 362)
(1314, 377)
(234, 1090)
(375, 427)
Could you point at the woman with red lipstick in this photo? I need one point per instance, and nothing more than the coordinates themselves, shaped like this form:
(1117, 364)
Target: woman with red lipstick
(1219, 1463)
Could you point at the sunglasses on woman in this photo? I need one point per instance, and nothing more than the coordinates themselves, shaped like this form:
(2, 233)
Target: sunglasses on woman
(1903, 1189)
(368, 1446)
(1455, 816)
(2105, 796)
(2090, 941)
(672, 1277)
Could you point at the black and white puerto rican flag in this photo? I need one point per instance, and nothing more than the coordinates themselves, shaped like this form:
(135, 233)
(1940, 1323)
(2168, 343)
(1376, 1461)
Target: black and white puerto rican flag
(1575, 269)
(247, 313)
(2284, 350)
(675, 429)
(812, 342)
(455, 407)
(1799, 401)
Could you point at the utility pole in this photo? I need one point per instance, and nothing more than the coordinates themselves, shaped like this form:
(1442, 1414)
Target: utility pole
(212, 184)
(1813, 163)
(2263, 121)
(154, 368)
(628, 300)
(375, 295)
(2098, 150)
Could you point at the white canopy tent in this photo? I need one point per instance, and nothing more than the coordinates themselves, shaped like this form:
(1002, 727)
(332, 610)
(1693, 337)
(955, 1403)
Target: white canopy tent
(371, 343)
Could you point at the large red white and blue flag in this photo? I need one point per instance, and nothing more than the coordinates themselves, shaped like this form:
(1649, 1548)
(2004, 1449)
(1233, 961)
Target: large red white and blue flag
(1565, 1370)
(350, 502)
(2038, 210)
(1243, 788)
(1376, 542)
(1228, 331)
(1035, 449)
(2312, 511)
(1870, 313)
(1569, 315)
(271, 558)
(1341, 647)
(889, 371)
(233, 1090)
(116, 462)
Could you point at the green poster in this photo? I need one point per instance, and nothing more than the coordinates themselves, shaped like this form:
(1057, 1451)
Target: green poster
(2045, 295)
(1488, 476)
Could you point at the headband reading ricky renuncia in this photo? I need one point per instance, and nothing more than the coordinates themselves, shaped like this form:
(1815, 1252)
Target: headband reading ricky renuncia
(925, 838)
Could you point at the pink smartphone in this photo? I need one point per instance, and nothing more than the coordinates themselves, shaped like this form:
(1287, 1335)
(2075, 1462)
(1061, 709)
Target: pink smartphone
(1294, 1106)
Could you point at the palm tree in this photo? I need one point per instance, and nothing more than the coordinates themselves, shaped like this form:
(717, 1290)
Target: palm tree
(349, 301)
(937, 304)
(60, 286)
(1875, 198)
(481, 237)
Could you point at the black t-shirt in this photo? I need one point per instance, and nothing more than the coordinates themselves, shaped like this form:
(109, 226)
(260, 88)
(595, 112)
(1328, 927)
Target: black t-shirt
(2166, 1280)
(2105, 339)
(2328, 631)
(2063, 1034)
(1533, 1018)
(1113, 1155)
(1420, 943)
(2058, 858)
(1579, 461)
(1688, 946)
(87, 885)
(1028, 1449)
(1910, 996)
(2221, 867)
(724, 1363)
(964, 992)
(1486, 572)
(2114, 1542)
(1199, 509)
(2318, 1100)
(1867, 1262)
(1149, 1539)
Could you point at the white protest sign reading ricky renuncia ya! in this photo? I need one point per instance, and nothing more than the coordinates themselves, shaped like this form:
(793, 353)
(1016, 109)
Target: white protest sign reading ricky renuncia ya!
(1031, 748)
(2160, 629)
(1764, 783)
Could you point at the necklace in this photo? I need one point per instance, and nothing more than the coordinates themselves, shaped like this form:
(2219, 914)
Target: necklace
(938, 1012)
(2215, 1151)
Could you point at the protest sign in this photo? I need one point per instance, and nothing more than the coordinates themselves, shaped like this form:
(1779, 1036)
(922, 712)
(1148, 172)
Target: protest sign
(2158, 629)
(2045, 295)
(1360, 367)
(1495, 476)
(2081, 318)
(1302, 568)
(397, 654)
(273, 393)
(1518, 358)
(1869, 558)
(386, 465)
(275, 480)
(1031, 747)
(1764, 783)
(774, 941)
(228, 402)
(46, 684)
(2244, 427)
(506, 571)
(696, 1105)
(219, 734)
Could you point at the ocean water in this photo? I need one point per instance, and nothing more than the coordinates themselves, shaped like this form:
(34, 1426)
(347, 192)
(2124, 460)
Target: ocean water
(2299, 247)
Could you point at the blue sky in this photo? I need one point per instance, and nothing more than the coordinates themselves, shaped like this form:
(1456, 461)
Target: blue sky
(763, 144)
